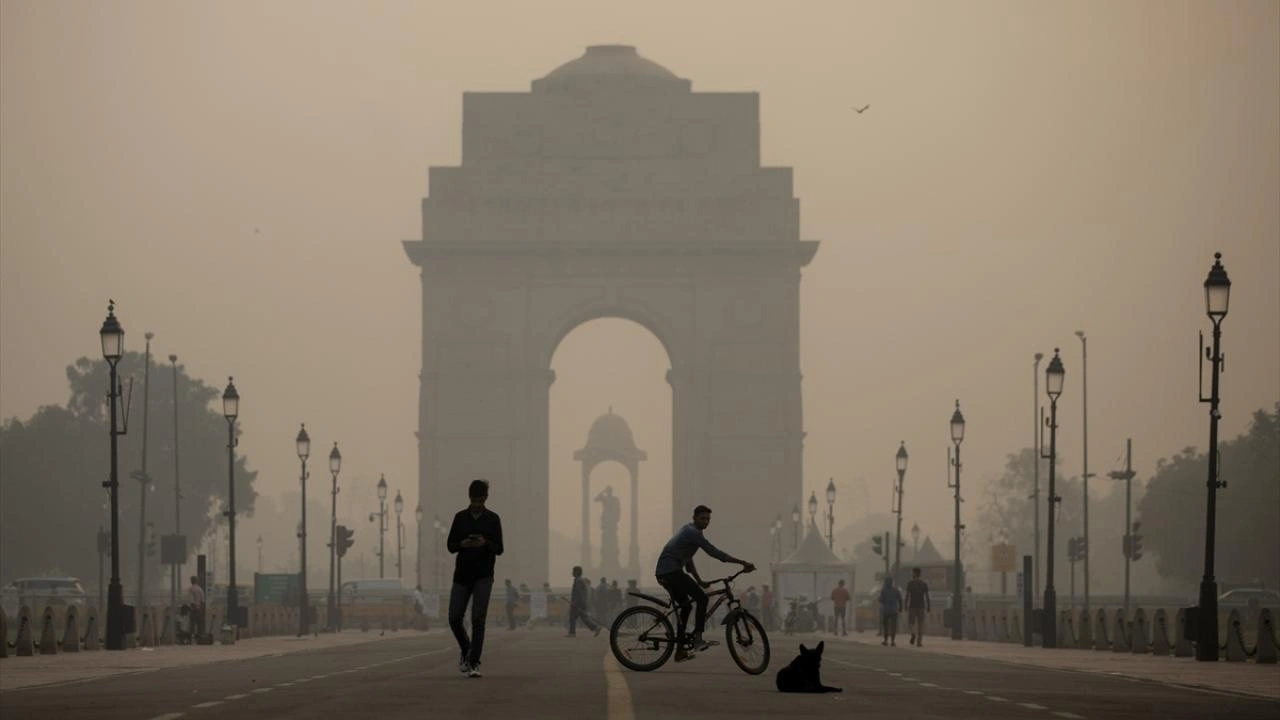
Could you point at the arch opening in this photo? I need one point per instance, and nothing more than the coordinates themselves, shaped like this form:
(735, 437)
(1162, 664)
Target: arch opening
(609, 366)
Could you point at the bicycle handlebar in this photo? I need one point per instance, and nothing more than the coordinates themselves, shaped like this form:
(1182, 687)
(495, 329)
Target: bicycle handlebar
(727, 580)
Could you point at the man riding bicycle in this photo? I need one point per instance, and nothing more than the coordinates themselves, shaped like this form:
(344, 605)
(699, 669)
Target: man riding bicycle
(676, 557)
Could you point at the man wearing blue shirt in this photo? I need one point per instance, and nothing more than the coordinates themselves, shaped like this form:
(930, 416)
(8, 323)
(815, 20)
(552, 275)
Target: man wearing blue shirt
(675, 559)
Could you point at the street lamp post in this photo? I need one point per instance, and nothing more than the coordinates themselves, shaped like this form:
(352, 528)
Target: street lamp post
(1217, 294)
(957, 608)
(231, 410)
(435, 523)
(777, 536)
(303, 444)
(1035, 471)
(417, 552)
(335, 466)
(144, 480)
(381, 515)
(1053, 377)
(795, 526)
(900, 462)
(175, 570)
(112, 337)
(399, 506)
(831, 517)
(1085, 474)
(915, 541)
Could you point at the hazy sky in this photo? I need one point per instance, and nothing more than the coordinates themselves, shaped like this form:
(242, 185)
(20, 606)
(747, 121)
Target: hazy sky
(239, 176)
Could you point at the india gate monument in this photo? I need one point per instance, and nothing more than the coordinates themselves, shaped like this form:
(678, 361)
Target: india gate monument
(612, 189)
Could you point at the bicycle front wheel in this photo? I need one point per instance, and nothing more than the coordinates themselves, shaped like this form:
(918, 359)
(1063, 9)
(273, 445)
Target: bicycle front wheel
(748, 643)
(642, 638)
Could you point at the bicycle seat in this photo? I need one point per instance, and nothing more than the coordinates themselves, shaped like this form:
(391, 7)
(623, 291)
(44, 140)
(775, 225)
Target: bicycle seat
(651, 598)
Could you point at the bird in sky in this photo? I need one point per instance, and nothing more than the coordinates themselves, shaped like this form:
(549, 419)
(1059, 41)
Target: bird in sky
(861, 109)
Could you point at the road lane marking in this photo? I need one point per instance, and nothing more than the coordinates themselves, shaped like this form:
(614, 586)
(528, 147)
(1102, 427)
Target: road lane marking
(235, 697)
(1069, 716)
(167, 716)
(618, 696)
(1033, 706)
(284, 684)
(909, 679)
(209, 704)
(262, 690)
(997, 698)
(974, 692)
(925, 684)
(896, 674)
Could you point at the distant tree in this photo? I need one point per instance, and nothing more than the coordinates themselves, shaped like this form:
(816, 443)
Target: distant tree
(53, 464)
(1248, 510)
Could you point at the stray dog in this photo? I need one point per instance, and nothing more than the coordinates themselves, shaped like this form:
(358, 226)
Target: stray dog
(802, 674)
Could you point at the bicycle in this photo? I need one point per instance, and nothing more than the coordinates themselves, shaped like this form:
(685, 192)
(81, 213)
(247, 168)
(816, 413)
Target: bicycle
(643, 638)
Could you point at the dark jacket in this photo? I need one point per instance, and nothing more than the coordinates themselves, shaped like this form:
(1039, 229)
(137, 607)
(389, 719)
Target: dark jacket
(475, 563)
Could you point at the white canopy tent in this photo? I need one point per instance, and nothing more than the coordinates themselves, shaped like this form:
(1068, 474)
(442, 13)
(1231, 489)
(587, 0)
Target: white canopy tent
(812, 572)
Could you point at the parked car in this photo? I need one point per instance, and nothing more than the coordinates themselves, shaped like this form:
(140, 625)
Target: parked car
(38, 592)
(1242, 597)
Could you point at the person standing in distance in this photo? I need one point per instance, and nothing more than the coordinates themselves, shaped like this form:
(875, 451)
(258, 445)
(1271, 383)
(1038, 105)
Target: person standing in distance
(917, 605)
(476, 538)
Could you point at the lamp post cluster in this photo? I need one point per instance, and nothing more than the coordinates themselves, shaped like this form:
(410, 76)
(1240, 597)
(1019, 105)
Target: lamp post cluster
(381, 517)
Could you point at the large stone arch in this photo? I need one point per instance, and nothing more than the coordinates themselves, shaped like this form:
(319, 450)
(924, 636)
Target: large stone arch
(611, 190)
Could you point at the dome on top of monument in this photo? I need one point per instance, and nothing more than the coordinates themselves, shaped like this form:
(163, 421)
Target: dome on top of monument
(610, 430)
(609, 66)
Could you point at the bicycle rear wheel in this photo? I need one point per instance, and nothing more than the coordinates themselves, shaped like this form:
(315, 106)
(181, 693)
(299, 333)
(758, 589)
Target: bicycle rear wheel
(748, 643)
(642, 638)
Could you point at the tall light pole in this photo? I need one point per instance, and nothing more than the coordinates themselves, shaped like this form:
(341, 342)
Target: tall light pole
(813, 507)
(1217, 294)
(1053, 377)
(303, 444)
(381, 515)
(112, 337)
(1127, 476)
(900, 461)
(1035, 472)
(957, 606)
(777, 536)
(399, 506)
(435, 523)
(231, 410)
(417, 552)
(335, 466)
(1085, 475)
(259, 554)
(915, 541)
(831, 516)
(795, 526)
(175, 570)
(144, 480)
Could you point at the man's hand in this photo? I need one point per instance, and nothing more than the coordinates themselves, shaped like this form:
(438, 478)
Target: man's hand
(474, 541)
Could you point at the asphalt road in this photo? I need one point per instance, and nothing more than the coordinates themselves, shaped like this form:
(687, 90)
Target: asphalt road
(541, 674)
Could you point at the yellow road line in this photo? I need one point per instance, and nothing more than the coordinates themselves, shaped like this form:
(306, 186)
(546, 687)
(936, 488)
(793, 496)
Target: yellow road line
(619, 695)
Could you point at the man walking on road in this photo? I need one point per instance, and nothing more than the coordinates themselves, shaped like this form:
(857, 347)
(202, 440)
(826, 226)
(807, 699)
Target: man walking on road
(513, 599)
(476, 538)
(890, 605)
(579, 601)
(195, 601)
(840, 604)
(917, 606)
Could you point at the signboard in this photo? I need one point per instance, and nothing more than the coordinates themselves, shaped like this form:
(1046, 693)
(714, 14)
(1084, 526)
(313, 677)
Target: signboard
(537, 605)
(275, 588)
(173, 549)
(1003, 558)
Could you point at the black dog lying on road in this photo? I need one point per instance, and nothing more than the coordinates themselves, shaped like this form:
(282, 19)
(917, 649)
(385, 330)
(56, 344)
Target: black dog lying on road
(802, 674)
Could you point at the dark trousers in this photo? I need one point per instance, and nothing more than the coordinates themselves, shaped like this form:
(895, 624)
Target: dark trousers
(477, 593)
(684, 588)
(841, 624)
(511, 616)
(576, 613)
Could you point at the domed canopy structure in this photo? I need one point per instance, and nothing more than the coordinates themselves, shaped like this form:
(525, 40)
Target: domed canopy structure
(610, 434)
(610, 66)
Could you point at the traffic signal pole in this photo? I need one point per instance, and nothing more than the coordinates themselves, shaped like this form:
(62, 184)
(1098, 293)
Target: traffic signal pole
(1130, 537)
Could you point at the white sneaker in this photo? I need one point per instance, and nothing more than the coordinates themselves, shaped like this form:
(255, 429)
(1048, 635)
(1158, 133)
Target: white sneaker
(474, 671)
(464, 667)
